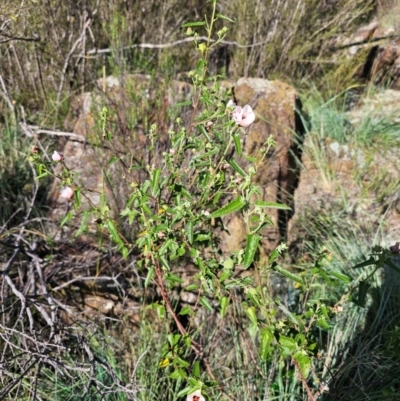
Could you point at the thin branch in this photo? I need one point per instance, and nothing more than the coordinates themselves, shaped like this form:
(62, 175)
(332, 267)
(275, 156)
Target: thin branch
(171, 44)
(32, 130)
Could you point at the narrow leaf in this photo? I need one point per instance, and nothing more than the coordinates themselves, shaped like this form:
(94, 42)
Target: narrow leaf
(341, 277)
(362, 293)
(223, 302)
(196, 23)
(154, 181)
(224, 17)
(369, 262)
(189, 231)
(204, 301)
(238, 144)
(266, 337)
(288, 274)
(251, 313)
(236, 167)
(272, 205)
(231, 207)
(251, 248)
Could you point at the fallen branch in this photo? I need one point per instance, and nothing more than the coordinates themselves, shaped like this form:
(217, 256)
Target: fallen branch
(171, 44)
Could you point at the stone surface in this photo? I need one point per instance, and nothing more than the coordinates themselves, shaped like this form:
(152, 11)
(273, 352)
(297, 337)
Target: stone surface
(274, 103)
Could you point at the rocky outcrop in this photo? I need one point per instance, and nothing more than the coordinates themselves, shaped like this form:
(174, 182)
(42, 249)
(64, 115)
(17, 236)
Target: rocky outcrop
(382, 46)
(275, 104)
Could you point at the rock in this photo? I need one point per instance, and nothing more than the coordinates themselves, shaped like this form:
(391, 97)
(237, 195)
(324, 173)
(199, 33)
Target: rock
(139, 93)
(382, 61)
(275, 104)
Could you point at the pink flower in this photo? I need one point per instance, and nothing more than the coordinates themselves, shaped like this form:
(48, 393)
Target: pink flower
(57, 157)
(196, 396)
(67, 193)
(243, 116)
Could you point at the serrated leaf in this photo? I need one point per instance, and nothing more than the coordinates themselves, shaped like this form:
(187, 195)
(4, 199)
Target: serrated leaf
(272, 205)
(231, 207)
(236, 167)
(304, 362)
(266, 336)
(251, 248)
(288, 274)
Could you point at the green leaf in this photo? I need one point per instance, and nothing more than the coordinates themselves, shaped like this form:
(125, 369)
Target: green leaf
(45, 174)
(362, 293)
(154, 181)
(113, 232)
(288, 345)
(231, 207)
(112, 160)
(236, 167)
(223, 303)
(304, 362)
(67, 218)
(266, 336)
(288, 274)
(196, 369)
(238, 144)
(185, 310)
(272, 205)
(196, 23)
(173, 278)
(77, 198)
(178, 374)
(189, 231)
(253, 329)
(340, 276)
(181, 362)
(274, 254)
(205, 302)
(251, 248)
(150, 275)
(369, 262)
(224, 17)
(183, 104)
(251, 314)
(392, 265)
(295, 319)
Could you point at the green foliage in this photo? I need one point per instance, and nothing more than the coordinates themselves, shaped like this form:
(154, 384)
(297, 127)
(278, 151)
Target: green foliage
(178, 209)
